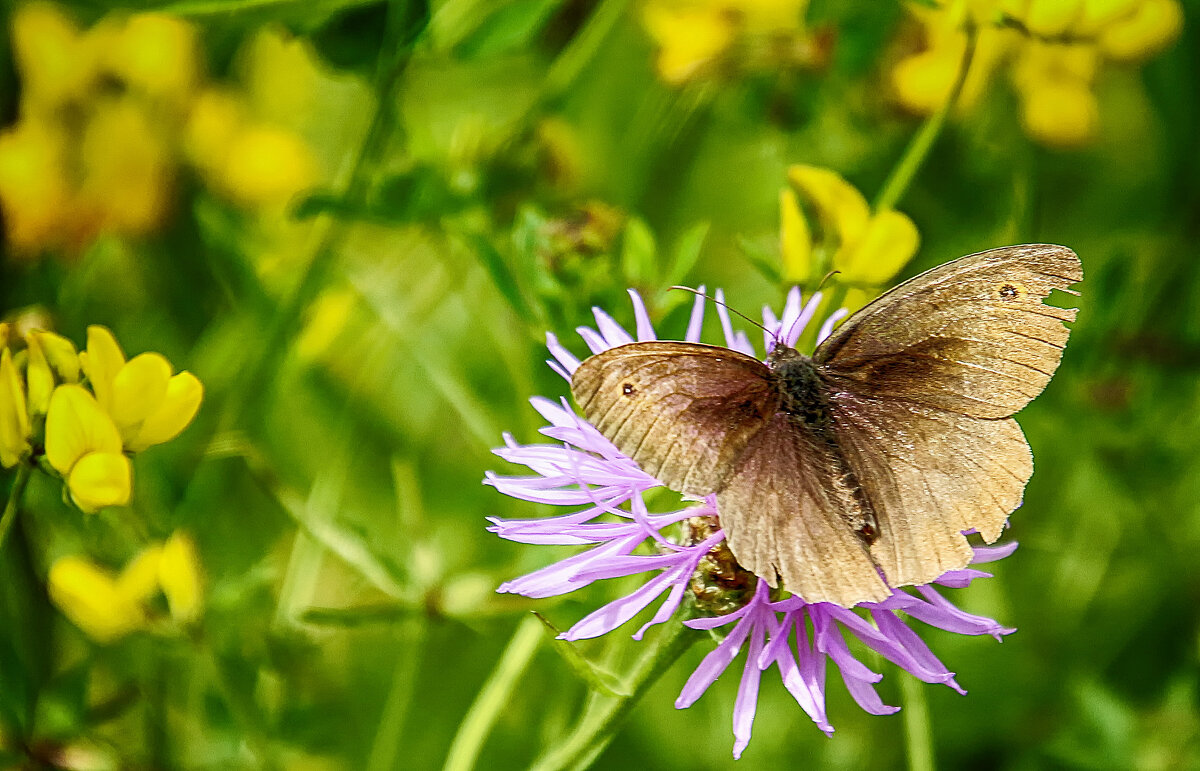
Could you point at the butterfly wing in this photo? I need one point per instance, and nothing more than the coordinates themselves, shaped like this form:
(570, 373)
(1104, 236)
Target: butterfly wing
(971, 336)
(923, 383)
(683, 411)
(784, 512)
(930, 474)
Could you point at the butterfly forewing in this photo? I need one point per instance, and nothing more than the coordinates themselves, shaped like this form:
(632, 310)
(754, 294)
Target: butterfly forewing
(786, 511)
(683, 411)
(971, 336)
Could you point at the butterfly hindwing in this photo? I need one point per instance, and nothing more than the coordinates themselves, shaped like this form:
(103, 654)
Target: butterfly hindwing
(683, 411)
(971, 336)
(930, 475)
(785, 511)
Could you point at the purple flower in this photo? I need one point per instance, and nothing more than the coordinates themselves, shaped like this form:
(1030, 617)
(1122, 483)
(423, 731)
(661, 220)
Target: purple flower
(684, 550)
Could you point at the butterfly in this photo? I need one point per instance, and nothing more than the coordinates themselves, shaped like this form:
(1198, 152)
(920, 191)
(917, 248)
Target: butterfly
(859, 468)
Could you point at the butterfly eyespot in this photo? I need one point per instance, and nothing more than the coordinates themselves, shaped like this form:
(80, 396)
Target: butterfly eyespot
(1009, 292)
(628, 389)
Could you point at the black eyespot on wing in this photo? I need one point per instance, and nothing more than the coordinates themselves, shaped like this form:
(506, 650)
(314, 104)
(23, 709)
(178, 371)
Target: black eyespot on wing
(628, 390)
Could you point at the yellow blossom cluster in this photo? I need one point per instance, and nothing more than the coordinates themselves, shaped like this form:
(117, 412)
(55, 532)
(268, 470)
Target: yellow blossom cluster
(827, 224)
(1056, 48)
(107, 117)
(85, 413)
(696, 38)
(107, 606)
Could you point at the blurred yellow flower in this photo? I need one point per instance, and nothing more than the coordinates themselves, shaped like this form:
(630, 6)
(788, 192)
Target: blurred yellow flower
(694, 37)
(156, 53)
(14, 418)
(94, 600)
(795, 239)
(128, 172)
(33, 190)
(84, 446)
(51, 56)
(108, 607)
(147, 403)
(868, 247)
(1055, 57)
(267, 165)
(180, 578)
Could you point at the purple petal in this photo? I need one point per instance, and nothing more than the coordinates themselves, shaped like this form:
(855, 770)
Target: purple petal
(614, 333)
(711, 667)
(696, 320)
(645, 330)
(993, 553)
(746, 703)
(561, 354)
(827, 327)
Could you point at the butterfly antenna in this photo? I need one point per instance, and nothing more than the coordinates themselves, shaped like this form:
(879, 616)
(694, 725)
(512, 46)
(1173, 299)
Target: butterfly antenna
(715, 301)
(828, 276)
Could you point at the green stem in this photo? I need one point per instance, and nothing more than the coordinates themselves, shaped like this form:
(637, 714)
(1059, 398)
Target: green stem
(468, 742)
(918, 733)
(918, 149)
(24, 472)
(604, 714)
(244, 710)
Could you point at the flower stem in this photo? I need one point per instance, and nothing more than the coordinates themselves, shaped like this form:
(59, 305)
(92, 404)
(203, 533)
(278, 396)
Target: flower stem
(468, 742)
(918, 733)
(918, 149)
(24, 471)
(604, 714)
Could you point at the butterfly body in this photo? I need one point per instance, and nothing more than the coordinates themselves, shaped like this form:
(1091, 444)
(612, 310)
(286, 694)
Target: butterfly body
(859, 468)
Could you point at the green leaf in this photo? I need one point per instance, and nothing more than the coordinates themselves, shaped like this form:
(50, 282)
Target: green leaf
(638, 252)
(599, 680)
(510, 27)
(687, 253)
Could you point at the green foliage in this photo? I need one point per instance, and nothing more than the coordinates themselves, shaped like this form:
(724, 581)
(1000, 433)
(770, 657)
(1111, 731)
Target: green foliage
(488, 173)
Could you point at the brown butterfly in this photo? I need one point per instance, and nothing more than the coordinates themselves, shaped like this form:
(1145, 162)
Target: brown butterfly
(875, 454)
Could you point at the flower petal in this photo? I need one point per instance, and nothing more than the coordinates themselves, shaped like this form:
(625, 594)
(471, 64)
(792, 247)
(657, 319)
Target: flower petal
(76, 426)
(102, 361)
(175, 411)
(179, 576)
(14, 419)
(887, 244)
(139, 580)
(138, 389)
(101, 479)
(838, 203)
(89, 597)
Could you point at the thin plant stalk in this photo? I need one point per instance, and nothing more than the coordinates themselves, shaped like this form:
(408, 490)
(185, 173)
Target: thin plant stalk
(918, 731)
(604, 715)
(24, 472)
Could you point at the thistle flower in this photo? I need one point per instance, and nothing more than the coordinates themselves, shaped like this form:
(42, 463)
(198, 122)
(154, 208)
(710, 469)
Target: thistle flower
(683, 553)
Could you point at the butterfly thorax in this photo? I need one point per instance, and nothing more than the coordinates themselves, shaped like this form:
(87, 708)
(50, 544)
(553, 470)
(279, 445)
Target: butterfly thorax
(801, 391)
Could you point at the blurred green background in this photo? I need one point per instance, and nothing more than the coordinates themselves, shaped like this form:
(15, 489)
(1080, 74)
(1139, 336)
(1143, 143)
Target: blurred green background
(354, 221)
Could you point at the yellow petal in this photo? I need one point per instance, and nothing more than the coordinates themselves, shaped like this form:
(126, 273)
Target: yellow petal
(922, 83)
(39, 378)
(76, 426)
(102, 362)
(175, 412)
(5, 333)
(179, 575)
(1048, 18)
(1097, 14)
(267, 165)
(889, 243)
(1152, 27)
(89, 597)
(795, 240)
(838, 203)
(1060, 114)
(48, 50)
(157, 53)
(688, 38)
(138, 391)
(139, 580)
(62, 356)
(99, 480)
(14, 418)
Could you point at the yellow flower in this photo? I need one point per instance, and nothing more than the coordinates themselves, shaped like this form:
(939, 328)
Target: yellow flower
(156, 53)
(795, 239)
(1061, 114)
(869, 248)
(688, 38)
(33, 188)
(128, 171)
(83, 445)
(146, 402)
(52, 360)
(14, 418)
(267, 165)
(1151, 27)
(50, 55)
(179, 577)
(93, 600)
